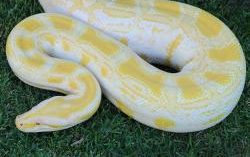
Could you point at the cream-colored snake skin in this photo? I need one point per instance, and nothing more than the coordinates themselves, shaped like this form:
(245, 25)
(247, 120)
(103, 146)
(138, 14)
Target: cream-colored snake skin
(51, 51)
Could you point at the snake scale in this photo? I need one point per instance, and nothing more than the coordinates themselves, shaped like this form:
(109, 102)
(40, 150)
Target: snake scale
(101, 50)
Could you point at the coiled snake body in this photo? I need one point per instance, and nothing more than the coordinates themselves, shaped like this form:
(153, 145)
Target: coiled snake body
(51, 51)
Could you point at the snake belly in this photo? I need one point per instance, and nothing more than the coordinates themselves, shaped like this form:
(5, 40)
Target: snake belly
(52, 51)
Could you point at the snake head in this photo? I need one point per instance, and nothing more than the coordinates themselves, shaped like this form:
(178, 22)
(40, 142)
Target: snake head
(27, 123)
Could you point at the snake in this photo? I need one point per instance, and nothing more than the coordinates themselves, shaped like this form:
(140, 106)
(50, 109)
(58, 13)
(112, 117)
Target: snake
(83, 48)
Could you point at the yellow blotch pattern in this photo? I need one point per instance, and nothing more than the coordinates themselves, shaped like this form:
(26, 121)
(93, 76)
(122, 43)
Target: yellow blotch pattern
(50, 38)
(55, 79)
(124, 108)
(25, 44)
(90, 93)
(61, 22)
(129, 2)
(73, 85)
(85, 59)
(228, 53)
(66, 45)
(124, 41)
(9, 49)
(164, 123)
(104, 71)
(31, 25)
(104, 45)
(153, 18)
(167, 7)
(190, 90)
(173, 45)
(36, 60)
(217, 77)
(207, 113)
(153, 81)
(157, 30)
(64, 68)
(208, 25)
(216, 119)
(78, 4)
(119, 13)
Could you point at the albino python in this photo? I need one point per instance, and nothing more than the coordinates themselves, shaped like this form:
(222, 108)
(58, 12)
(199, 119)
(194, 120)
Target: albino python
(51, 51)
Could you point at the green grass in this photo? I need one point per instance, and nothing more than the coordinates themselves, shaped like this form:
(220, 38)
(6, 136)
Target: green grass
(110, 132)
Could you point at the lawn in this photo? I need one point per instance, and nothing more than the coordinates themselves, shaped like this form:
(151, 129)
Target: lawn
(111, 132)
